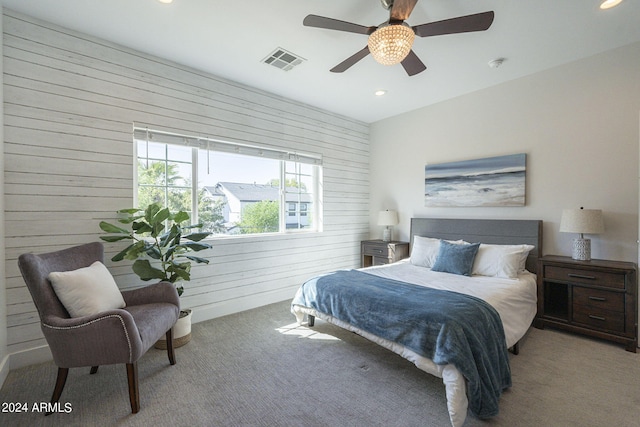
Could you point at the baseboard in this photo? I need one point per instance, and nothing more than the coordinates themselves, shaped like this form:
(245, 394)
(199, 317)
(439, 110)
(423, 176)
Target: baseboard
(23, 358)
(4, 370)
(200, 314)
(30, 357)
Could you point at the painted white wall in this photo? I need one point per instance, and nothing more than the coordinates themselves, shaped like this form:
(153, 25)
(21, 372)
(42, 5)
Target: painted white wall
(70, 101)
(578, 125)
(4, 353)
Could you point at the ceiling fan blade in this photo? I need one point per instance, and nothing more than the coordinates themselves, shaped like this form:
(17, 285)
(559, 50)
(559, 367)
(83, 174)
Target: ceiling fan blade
(334, 24)
(401, 9)
(412, 64)
(347, 63)
(461, 24)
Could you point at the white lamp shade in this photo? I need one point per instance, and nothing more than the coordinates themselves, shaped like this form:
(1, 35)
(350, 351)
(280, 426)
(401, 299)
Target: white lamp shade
(583, 221)
(387, 218)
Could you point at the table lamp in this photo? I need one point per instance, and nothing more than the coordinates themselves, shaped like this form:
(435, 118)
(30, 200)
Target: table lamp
(388, 219)
(582, 221)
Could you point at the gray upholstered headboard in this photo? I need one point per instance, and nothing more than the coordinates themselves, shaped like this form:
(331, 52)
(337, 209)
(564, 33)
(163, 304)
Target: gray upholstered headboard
(495, 231)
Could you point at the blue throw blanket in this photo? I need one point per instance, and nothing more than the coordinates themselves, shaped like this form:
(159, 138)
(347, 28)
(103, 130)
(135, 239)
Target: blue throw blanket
(446, 327)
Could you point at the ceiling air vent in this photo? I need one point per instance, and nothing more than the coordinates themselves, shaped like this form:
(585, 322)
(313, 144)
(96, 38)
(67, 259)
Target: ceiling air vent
(283, 59)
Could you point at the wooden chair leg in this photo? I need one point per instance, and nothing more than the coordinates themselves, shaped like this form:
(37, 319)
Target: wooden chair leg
(134, 395)
(170, 352)
(94, 369)
(60, 382)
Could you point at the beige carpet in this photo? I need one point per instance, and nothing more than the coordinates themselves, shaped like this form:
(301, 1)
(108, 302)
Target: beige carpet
(258, 369)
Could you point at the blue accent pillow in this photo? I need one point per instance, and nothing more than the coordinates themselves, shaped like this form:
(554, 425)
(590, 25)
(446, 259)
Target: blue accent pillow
(456, 259)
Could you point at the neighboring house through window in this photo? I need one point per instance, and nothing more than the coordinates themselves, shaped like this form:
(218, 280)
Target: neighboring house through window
(237, 196)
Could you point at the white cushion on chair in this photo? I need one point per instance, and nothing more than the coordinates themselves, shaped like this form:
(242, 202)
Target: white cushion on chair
(87, 291)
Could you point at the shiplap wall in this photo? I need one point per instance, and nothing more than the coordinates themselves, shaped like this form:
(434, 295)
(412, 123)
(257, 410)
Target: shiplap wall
(70, 104)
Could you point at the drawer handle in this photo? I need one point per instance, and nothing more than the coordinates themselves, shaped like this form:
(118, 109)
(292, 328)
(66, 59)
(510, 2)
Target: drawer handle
(581, 276)
(597, 299)
(594, 317)
(378, 251)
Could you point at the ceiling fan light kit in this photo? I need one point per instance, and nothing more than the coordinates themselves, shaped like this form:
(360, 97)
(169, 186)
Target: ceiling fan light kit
(391, 42)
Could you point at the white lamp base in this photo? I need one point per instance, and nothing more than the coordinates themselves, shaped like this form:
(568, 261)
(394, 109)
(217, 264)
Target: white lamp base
(386, 234)
(581, 249)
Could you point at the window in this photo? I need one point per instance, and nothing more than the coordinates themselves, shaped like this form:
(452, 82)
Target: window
(165, 175)
(298, 178)
(229, 188)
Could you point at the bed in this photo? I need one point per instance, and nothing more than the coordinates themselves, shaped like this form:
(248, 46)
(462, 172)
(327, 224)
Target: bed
(428, 311)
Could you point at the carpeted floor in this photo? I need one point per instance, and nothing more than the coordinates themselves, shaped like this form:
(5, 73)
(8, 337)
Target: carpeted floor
(257, 368)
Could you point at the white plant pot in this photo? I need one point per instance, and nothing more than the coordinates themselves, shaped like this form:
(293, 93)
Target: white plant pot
(181, 331)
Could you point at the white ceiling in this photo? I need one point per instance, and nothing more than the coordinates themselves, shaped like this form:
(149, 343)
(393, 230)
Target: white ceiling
(231, 38)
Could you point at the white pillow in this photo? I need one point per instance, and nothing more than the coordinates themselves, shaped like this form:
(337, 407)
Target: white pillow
(523, 257)
(504, 261)
(87, 291)
(425, 250)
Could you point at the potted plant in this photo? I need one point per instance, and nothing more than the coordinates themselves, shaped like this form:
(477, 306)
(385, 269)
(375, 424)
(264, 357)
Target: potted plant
(159, 253)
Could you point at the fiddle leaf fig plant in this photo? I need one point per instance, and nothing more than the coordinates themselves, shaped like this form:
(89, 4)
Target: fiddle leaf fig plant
(158, 253)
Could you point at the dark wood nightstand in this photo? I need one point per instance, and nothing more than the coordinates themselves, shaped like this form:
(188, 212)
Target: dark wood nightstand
(596, 298)
(377, 252)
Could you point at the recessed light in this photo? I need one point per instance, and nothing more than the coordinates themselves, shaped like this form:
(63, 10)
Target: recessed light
(608, 4)
(165, 1)
(380, 92)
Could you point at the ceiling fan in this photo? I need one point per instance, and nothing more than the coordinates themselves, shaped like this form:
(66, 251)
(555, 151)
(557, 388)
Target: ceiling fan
(390, 42)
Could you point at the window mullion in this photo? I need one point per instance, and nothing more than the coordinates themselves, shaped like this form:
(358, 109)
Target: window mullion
(283, 198)
(316, 200)
(166, 175)
(194, 186)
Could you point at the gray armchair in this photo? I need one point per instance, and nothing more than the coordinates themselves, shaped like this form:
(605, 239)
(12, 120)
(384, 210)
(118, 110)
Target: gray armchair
(110, 337)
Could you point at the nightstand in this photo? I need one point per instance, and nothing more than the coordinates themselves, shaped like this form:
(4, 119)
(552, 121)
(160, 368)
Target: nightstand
(377, 252)
(596, 298)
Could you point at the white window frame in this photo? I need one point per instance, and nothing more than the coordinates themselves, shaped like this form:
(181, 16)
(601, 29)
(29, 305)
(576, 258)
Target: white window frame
(200, 143)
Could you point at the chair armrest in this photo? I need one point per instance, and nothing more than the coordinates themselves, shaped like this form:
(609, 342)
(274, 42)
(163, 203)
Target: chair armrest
(105, 338)
(56, 322)
(159, 292)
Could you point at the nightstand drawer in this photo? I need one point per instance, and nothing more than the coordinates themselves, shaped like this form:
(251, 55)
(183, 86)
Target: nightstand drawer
(599, 299)
(587, 277)
(377, 250)
(598, 318)
(596, 298)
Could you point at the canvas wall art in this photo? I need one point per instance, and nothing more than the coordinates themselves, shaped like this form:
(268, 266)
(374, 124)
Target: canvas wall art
(493, 181)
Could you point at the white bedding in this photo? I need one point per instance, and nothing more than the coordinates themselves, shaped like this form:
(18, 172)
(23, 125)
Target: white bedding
(513, 299)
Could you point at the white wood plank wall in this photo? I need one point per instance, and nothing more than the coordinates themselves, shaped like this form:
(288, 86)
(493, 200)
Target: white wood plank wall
(70, 101)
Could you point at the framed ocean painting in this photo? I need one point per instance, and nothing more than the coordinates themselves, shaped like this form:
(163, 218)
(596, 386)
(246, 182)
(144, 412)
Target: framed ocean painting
(492, 181)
